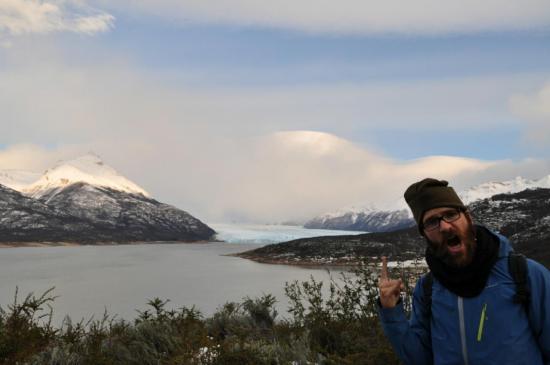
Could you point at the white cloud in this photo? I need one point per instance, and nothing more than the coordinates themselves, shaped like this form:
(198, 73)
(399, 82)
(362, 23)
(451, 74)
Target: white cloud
(220, 153)
(34, 158)
(534, 108)
(357, 16)
(18, 17)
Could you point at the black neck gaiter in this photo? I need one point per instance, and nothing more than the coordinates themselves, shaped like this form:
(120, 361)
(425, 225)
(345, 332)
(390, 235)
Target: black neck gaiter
(470, 280)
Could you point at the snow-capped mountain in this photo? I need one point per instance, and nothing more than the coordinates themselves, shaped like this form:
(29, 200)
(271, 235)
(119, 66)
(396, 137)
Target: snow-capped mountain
(369, 220)
(374, 219)
(86, 201)
(88, 169)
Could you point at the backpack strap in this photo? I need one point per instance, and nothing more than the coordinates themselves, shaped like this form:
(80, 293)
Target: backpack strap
(427, 286)
(517, 264)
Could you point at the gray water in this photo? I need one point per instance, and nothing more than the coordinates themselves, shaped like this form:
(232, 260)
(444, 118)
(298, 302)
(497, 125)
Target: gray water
(120, 279)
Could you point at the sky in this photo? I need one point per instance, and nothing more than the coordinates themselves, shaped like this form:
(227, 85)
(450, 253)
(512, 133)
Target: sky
(278, 111)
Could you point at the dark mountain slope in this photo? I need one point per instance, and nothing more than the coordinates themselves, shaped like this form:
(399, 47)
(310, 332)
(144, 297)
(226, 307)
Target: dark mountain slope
(83, 213)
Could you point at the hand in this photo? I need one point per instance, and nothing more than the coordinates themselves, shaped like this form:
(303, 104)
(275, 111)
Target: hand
(390, 290)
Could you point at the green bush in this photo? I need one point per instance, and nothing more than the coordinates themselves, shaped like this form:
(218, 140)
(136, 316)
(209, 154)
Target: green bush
(25, 328)
(332, 324)
(342, 325)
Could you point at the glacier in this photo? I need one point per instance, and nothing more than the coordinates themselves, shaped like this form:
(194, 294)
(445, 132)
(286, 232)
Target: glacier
(268, 234)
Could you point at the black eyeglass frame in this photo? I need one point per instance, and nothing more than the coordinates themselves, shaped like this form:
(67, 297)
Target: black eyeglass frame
(447, 219)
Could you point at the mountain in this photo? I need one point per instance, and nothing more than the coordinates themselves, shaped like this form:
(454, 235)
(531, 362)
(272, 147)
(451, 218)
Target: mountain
(125, 217)
(85, 201)
(372, 219)
(523, 217)
(88, 169)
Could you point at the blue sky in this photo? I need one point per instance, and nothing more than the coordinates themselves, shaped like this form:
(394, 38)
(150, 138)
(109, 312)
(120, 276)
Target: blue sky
(230, 56)
(203, 86)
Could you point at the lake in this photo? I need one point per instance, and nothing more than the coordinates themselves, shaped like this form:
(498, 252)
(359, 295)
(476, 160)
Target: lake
(90, 279)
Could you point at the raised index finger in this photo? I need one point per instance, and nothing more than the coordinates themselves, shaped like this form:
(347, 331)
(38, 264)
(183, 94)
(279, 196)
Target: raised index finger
(384, 272)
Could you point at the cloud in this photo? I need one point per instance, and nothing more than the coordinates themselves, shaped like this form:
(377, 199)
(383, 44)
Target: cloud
(18, 17)
(424, 17)
(299, 174)
(34, 158)
(534, 108)
(51, 101)
(255, 154)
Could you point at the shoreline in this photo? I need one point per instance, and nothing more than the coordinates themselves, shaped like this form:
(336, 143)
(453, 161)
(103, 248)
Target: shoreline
(77, 244)
(321, 263)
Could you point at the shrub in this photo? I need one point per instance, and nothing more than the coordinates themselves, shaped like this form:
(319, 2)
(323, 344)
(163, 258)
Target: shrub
(334, 324)
(25, 328)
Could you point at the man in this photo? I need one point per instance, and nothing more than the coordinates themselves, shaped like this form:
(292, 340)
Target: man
(472, 317)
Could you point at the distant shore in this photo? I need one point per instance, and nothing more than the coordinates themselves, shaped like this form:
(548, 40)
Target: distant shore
(77, 244)
(324, 262)
(38, 244)
(332, 262)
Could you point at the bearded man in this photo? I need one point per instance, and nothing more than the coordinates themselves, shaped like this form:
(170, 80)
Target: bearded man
(465, 311)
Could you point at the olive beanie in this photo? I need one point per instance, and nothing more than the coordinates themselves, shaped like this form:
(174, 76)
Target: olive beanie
(428, 194)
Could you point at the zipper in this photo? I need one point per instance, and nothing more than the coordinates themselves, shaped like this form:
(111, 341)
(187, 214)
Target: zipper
(462, 330)
(481, 323)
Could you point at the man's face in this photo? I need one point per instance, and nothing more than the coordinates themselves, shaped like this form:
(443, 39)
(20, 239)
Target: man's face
(454, 243)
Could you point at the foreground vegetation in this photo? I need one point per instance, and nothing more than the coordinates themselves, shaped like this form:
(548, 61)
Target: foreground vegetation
(334, 323)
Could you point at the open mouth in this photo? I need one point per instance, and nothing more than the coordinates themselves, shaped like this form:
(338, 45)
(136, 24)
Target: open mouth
(454, 245)
(453, 241)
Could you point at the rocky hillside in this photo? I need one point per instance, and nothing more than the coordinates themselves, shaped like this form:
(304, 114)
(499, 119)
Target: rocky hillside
(524, 217)
(24, 219)
(82, 213)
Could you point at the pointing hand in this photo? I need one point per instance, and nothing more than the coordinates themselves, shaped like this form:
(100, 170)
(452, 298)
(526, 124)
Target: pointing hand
(390, 290)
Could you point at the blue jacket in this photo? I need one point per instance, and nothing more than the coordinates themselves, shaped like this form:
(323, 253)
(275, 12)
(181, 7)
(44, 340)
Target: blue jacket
(487, 329)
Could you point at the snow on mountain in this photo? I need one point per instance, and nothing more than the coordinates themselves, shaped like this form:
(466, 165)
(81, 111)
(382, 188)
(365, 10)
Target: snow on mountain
(88, 169)
(486, 190)
(17, 179)
(353, 212)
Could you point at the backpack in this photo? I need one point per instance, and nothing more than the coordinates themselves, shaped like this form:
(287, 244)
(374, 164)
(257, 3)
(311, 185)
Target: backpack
(517, 265)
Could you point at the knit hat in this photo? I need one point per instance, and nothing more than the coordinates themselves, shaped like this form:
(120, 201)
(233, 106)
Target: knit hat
(428, 194)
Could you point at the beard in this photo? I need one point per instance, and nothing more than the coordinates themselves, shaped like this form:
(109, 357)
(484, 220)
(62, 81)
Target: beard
(466, 237)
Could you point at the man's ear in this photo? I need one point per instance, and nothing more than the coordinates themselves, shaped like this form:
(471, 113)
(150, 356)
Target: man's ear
(469, 217)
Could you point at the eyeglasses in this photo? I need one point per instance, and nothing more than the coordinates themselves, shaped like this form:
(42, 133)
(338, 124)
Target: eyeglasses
(449, 216)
